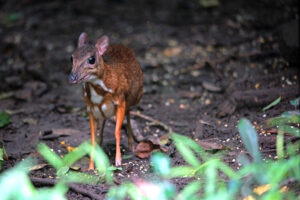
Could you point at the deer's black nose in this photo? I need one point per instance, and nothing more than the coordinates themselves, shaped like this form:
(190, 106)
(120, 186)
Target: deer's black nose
(72, 78)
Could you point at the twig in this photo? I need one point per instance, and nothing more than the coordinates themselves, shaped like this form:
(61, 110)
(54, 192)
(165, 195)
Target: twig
(72, 186)
(153, 121)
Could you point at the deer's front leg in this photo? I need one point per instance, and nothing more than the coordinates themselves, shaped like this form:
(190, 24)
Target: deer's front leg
(93, 127)
(120, 113)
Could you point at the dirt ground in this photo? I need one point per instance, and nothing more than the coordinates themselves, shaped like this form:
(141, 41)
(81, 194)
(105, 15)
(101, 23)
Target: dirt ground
(204, 69)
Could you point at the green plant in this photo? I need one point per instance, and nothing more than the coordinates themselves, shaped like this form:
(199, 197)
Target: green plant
(62, 166)
(287, 122)
(2, 154)
(205, 171)
(209, 177)
(4, 119)
(15, 182)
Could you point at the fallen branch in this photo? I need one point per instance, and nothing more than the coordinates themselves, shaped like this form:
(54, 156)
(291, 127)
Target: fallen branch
(72, 186)
(154, 122)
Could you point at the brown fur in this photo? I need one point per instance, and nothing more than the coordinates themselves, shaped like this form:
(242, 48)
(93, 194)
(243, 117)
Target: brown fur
(123, 79)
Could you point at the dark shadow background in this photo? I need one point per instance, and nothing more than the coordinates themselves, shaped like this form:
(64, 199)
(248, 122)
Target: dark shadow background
(37, 37)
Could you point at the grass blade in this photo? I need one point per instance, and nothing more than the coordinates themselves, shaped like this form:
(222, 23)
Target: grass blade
(272, 104)
(189, 191)
(75, 155)
(50, 156)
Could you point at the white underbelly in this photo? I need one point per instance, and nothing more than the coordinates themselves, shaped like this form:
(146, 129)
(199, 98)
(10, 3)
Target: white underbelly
(100, 107)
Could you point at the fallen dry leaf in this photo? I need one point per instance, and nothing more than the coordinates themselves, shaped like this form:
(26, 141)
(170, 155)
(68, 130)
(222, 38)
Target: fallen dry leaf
(149, 145)
(210, 145)
(144, 149)
(38, 166)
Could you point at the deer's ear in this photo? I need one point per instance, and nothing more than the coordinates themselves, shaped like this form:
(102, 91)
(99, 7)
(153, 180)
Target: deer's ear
(82, 40)
(102, 44)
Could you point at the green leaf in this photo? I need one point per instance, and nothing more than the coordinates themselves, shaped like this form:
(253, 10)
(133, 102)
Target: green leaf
(50, 156)
(226, 170)
(291, 130)
(211, 174)
(278, 121)
(57, 192)
(76, 154)
(295, 102)
(183, 146)
(167, 190)
(161, 163)
(189, 191)
(272, 104)
(1, 157)
(181, 171)
(290, 113)
(102, 163)
(234, 186)
(62, 171)
(4, 119)
(113, 168)
(189, 143)
(78, 177)
(280, 144)
(15, 183)
(249, 137)
(243, 159)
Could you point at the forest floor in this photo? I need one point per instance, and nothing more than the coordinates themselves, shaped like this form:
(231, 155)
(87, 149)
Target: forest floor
(204, 69)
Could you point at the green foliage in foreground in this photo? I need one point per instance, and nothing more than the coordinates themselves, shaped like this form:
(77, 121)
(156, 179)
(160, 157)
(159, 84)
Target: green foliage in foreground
(208, 176)
(205, 172)
(206, 181)
(15, 182)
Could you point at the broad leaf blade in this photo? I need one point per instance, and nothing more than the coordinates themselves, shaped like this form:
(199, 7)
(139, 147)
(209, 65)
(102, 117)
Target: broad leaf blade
(249, 137)
(161, 163)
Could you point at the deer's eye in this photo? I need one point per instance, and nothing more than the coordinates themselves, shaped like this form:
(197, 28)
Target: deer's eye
(91, 60)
